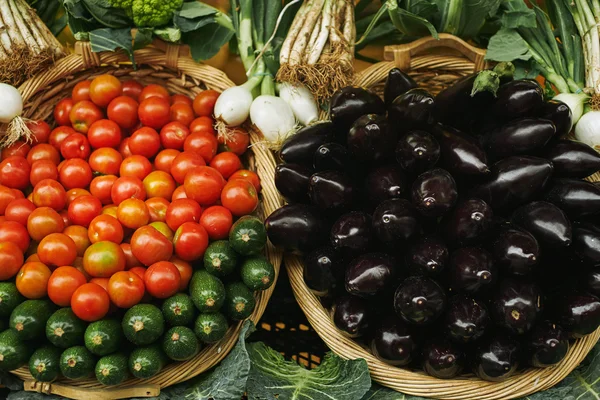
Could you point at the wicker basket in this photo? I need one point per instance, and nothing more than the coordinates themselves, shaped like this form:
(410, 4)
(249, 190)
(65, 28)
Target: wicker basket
(171, 66)
(450, 59)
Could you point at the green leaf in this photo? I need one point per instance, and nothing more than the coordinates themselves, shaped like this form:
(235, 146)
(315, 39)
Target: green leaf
(422, 8)
(107, 15)
(78, 17)
(408, 23)
(168, 34)
(108, 39)
(378, 392)
(10, 381)
(142, 38)
(516, 14)
(272, 377)
(464, 18)
(48, 10)
(190, 25)
(196, 9)
(23, 395)
(207, 41)
(507, 45)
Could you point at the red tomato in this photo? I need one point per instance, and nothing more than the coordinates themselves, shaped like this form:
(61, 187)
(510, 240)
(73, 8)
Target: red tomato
(104, 133)
(133, 213)
(11, 259)
(42, 169)
(43, 151)
(110, 209)
(184, 163)
(226, 163)
(159, 184)
(40, 130)
(62, 110)
(162, 279)
(90, 302)
(104, 89)
(136, 166)
(126, 289)
(18, 210)
(154, 112)
(190, 241)
(79, 235)
(204, 103)
(32, 280)
(75, 145)
(75, 173)
(44, 221)
(18, 148)
(14, 172)
(105, 161)
(63, 282)
(17, 193)
(157, 207)
(105, 228)
(185, 272)
(123, 111)
(132, 89)
(101, 187)
(154, 90)
(179, 193)
(84, 209)
(58, 135)
(81, 91)
(83, 115)
(237, 141)
(203, 125)
(75, 193)
(240, 197)
(182, 210)
(127, 187)
(6, 196)
(202, 143)
(12, 231)
(163, 228)
(144, 142)
(181, 99)
(164, 159)
(130, 260)
(139, 271)
(102, 259)
(150, 246)
(57, 249)
(173, 135)
(248, 175)
(49, 193)
(217, 221)
(204, 184)
(124, 148)
(65, 216)
(182, 113)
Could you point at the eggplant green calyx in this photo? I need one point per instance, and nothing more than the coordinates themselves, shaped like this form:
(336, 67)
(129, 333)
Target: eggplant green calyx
(486, 81)
(505, 70)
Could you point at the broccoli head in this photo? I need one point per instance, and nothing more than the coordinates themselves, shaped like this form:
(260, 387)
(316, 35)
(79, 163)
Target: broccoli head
(149, 13)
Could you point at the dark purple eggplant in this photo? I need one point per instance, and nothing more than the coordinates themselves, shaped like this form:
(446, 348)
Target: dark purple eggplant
(419, 300)
(296, 227)
(351, 315)
(545, 221)
(520, 136)
(469, 223)
(349, 103)
(560, 114)
(384, 183)
(496, 358)
(331, 156)
(372, 139)
(395, 221)
(351, 233)
(321, 268)
(331, 190)
(417, 151)
(546, 345)
(516, 306)
(427, 256)
(369, 274)
(578, 313)
(434, 192)
(443, 359)
(514, 181)
(586, 243)
(393, 342)
(590, 281)
(411, 110)
(300, 147)
(460, 153)
(471, 269)
(397, 83)
(576, 198)
(466, 319)
(292, 182)
(573, 159)
(517, 99)
(516, 251)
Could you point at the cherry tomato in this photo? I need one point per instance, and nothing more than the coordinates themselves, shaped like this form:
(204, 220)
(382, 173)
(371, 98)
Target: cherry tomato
(217, 221)
(203, 125)
(123, 111)
(132, 89)
(181, 99)
(145, 142)
(104, 89)
(127, 187)
(11, 259)
(63, 282)
(157, 207)
(181, 211)
(179, 193)
(101, 187)
(124, 148)
(159, 184)
(32, 280)
(204, 103)
(14, 172)
(62, 110)
(185, 272)
(163, 228)
(250, 176)
(110, 209)
(226, 163)
(136, 166)
(236, 141)
(6, 196)
(17, 193)
(202, 143)
(49, 193)
(126, 289)
(44, 221)
(83, 115)
(182, 113)
(162, 279)
(12, 231)
(154, 112)
(139, 271)
(81, 91)
(149, 245)
(102, 259)
(104, 133)
(105, 228)
(90, 302)
(75, 193)
(75, 173)
(79, 235)
(184, 163)
(105, 161)
(18, 148)
(190, 241)
(204, 184)
(130, 260)
(133, 213)
(43, 151)
(84, 209)
(64, 214)
(154, 90)
(75, 145)
(40, 130)
(173, 135)
(18, 210)
(57, 249)
(240, 197)
(42, 169)
(164, 159)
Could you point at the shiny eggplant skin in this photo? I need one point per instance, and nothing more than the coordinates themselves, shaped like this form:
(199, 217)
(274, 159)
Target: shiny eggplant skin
(466, 319)
(560, 114)
(590, 281)
(351, 233)
(516, 306)
(321, 267)
(384, 183)
(351, 315)
(419, 300)
(331, 156)
(296, 227)
(516, 251)
(397, 83)
(349, 103)
(331, 190)
(434, 192)
(586, 243)
(546, 345)
(460, 153)
(417, 151)
(469, 223)
(395, 221)
(496, 358)
(573, 159)
(371, 139)
(443, 359)
(412, 110)
(427, 256)
(392, 342)
(369, 274)
(520, 136)
(514, 181)
(516, 99)
(578, 313)
(546, 222)
(291, 180)
(472, 270)
(576, 198)
(300, 147)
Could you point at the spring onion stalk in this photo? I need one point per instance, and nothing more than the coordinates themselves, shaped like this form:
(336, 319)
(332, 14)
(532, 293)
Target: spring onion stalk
(301, 101)
(272, 115)
(576, 102)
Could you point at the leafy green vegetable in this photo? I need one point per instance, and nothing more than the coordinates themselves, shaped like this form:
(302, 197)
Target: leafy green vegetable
(108, 39)
(168, 34)
(52, 13)
(142, 38)
(10, 381)
(507, 45)
(207, 41)
(378, 392)
(409, 23)
(107, 15)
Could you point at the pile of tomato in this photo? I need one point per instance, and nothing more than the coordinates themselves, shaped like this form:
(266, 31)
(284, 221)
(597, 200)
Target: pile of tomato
(116, 202)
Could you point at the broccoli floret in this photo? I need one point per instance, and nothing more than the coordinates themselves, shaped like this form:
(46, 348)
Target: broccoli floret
(125, 4)
(153, 13)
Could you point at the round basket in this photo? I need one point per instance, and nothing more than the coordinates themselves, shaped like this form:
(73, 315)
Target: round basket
(171, 66)
(451, 59)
